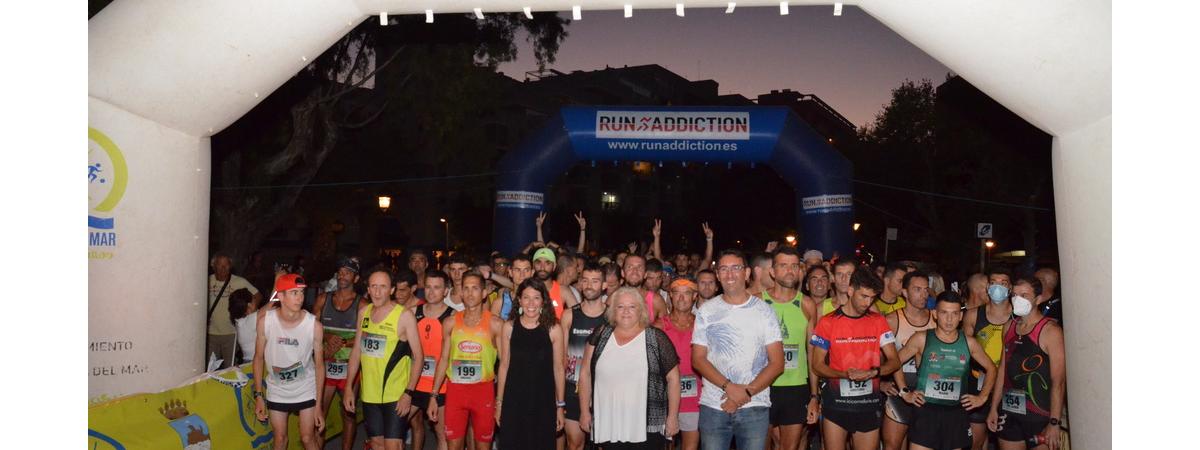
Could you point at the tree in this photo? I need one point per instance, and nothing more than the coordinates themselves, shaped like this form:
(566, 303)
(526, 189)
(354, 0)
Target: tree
(284, 142)
(936, 161)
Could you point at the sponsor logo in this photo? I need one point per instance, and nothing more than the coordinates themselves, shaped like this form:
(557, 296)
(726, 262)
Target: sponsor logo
(107, 179)
(827, 203)
(284, 340)
(713, 125)
(470, 347)
(519, 199)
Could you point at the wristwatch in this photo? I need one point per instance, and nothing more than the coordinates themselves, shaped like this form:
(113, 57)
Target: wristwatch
(257, 394)
(905, 390)
(1054, 421)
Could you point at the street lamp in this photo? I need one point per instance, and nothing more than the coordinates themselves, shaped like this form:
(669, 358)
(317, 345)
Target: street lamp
(791, 240)
(447, 223)
(385, 202)
(857, 225)
(985, 253)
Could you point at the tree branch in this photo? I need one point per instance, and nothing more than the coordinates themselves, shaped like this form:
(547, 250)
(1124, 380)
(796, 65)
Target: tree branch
(368, 120)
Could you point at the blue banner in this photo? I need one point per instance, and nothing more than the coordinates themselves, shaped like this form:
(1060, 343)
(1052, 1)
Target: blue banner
(702, 134)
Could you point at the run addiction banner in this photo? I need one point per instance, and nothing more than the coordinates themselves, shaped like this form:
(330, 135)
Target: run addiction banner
(708, 134)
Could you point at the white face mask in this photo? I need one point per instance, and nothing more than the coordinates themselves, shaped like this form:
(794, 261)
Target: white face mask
(1021, 306)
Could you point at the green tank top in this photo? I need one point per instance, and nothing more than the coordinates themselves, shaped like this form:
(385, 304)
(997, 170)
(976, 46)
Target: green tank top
(792, 325)
(944, 369)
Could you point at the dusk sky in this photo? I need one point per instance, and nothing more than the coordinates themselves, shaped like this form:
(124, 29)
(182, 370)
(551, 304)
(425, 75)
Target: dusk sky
(851, 62)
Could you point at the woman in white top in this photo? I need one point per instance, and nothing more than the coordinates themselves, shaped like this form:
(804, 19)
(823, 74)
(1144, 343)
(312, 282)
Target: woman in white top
(620, 408)
(245, 322)
(284, 342)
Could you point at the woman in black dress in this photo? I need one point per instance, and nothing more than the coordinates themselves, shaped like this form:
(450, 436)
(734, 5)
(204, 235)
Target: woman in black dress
(531, 375)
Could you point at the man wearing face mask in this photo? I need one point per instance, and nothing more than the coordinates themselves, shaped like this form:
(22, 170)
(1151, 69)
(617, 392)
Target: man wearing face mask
(986, 325)
(1033, 375)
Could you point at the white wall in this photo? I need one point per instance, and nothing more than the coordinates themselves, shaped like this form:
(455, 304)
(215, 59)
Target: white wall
(146, 294)
(1082, 161)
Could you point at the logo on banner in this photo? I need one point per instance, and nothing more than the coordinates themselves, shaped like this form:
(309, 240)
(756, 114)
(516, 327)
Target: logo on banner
(107, 179)
(714, 125)
(519, 199)
(191, 428)
(823, 204)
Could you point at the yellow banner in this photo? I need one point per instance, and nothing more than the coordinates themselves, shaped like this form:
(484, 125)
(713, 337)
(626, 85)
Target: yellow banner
(206, 413)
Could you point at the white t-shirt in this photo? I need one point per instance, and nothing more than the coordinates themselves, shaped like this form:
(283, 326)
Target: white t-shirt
(247, 327)
(737, 339)
(620, 399)
(220, 323)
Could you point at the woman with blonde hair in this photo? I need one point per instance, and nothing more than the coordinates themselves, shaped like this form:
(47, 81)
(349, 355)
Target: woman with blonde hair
(620, 410)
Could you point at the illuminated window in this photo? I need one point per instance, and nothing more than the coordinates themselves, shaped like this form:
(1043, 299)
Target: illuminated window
(609, 201)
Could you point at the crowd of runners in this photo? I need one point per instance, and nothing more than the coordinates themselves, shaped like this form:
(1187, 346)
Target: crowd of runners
(556, 348)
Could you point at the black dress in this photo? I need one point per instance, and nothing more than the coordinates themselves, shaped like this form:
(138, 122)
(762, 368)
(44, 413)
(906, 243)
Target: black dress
(527, 419)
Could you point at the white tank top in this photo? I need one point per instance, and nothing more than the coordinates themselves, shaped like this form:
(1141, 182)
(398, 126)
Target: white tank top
(289, 360)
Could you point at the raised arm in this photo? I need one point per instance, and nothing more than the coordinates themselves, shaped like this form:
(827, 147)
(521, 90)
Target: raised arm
(582, 231)
(708, 247)
(540, 219)
(657, 246)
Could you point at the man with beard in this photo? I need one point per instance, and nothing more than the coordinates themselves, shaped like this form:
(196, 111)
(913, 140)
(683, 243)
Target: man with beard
(760, 274)
(338, 312)
(521, 270)
(793, 394)
(634, 273)
(545, 262)
(706, 283)
(578, 322)
(418, 262)
(655, 276)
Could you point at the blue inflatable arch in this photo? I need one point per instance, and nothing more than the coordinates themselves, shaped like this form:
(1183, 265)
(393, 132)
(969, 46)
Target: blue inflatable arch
(819, 174)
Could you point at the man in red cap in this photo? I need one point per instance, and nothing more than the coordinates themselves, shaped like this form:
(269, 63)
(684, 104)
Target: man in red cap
(294, 383)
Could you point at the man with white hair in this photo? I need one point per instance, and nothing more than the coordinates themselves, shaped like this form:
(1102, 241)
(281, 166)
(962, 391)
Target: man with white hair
(812, 257)
(221, 338)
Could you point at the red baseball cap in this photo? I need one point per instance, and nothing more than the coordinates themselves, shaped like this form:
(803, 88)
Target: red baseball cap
(289, 282)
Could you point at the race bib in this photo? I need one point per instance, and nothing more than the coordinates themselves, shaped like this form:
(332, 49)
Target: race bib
(910, 366)
(688, 387)
(290, 374)
(466, 372)
(1014, 401)
(851, 388)
(428, 365)
(979, 382)
(944, 389)
(373, 345)
(791, 357)
(336, 370)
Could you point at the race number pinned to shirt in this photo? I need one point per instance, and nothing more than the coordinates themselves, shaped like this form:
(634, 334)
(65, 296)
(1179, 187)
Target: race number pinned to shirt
(336, 370)
(428, 365)
(688, 387)
(1014, 401)
(945, 388)
(910, 366)
(791, 356)
(288, 374)
(466, 372)
(373, 345)
(851, 388)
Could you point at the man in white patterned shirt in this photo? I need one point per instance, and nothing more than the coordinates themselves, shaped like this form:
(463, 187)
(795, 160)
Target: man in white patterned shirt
(738, 348)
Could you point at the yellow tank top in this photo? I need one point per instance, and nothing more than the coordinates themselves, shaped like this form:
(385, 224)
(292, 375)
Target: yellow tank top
(885, 308)
(472, 354)
(989, 335)
(386, 361)
(827, 306)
